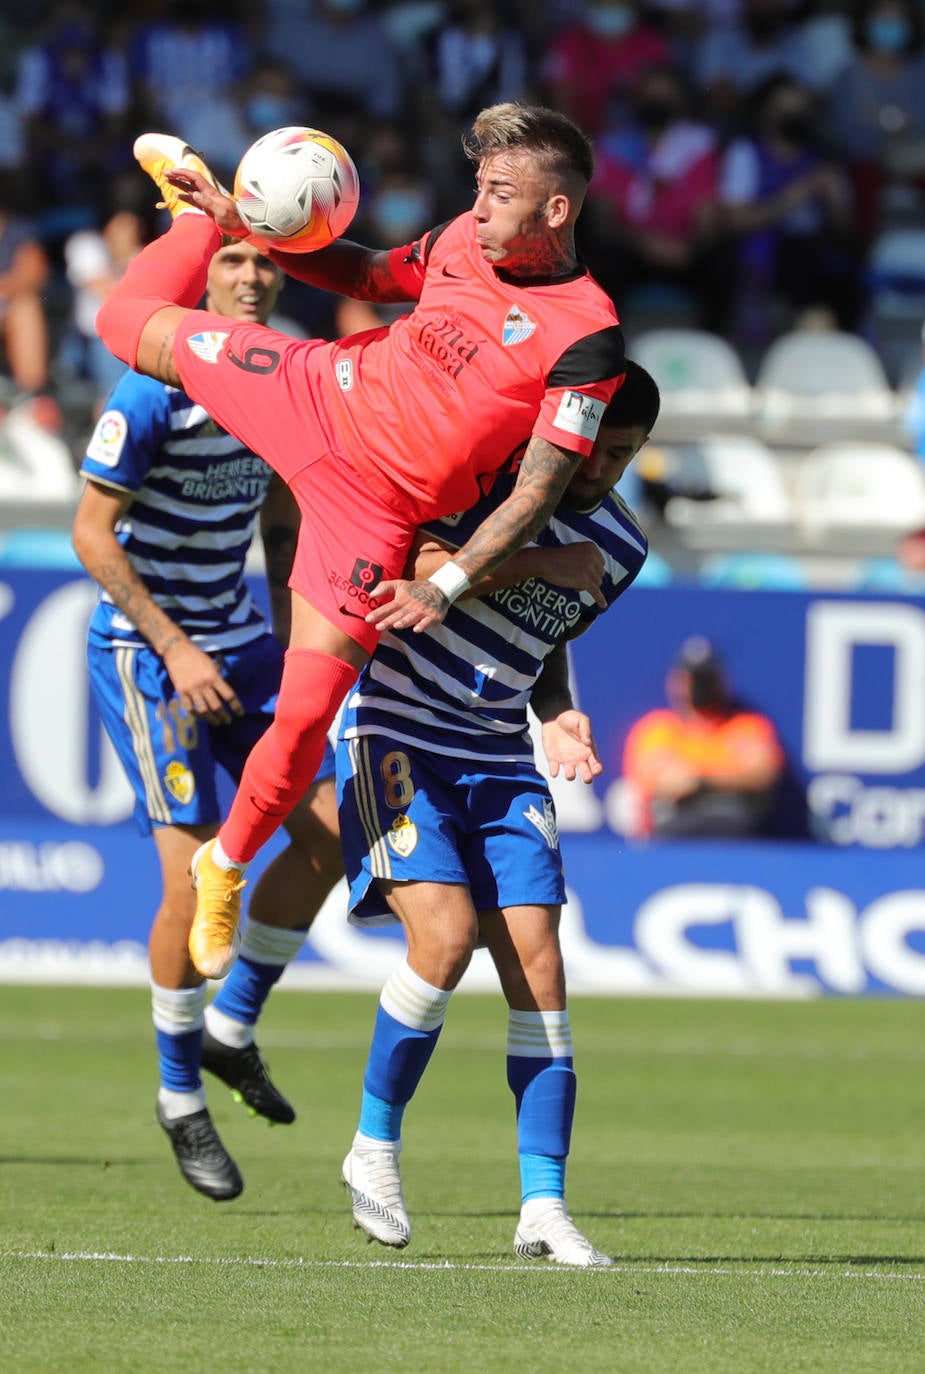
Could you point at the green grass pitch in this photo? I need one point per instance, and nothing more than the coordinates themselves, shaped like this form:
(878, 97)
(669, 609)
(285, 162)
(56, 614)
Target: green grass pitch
(756, 1169)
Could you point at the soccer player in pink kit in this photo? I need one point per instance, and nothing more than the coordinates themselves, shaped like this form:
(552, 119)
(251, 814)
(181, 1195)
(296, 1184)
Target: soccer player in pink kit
(507, 359)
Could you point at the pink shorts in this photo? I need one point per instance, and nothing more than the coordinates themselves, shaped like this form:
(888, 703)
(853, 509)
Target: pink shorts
(259, 389)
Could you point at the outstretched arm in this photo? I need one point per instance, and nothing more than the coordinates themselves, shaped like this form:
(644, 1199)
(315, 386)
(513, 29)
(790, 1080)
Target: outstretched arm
(544, 474)
(347, 268)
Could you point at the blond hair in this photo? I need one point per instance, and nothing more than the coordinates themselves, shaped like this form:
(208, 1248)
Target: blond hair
(559, 144)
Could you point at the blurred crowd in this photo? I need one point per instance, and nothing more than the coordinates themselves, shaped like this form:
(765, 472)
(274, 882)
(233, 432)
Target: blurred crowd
(749, 151)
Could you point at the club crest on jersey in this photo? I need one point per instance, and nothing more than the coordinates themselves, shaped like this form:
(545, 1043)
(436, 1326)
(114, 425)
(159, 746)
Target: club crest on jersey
(180, 782)
(403, 836)
(545, 821)
(207, 346)
(518, 327)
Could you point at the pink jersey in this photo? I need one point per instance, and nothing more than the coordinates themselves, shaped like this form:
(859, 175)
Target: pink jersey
(450, 394)
(430, 408)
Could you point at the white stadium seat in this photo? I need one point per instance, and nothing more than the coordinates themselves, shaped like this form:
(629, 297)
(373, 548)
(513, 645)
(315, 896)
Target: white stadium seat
(829, 375)
(859, 484)
(696, 371)
(744, 477)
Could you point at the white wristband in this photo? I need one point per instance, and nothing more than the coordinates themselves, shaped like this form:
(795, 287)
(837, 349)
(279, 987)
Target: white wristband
(451, 580)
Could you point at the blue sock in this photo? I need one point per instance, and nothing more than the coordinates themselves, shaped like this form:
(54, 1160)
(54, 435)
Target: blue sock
(408, 1024)
(541, 1176)
(379, 1119)
(178, 1058)
(265, 953)
(541, 1077)
(177, 1016)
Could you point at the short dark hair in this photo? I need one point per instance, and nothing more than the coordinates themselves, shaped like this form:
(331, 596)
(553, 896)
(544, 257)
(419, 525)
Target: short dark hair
(535, 129)
(637, 402)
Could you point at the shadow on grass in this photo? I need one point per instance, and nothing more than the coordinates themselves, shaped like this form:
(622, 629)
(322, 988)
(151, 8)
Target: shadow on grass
(80, 1161)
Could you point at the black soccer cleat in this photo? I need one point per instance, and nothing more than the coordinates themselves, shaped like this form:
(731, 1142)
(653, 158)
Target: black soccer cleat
(246, 1075)
(204, 1162)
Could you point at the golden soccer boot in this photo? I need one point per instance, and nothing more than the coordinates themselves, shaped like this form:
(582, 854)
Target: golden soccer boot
(157, 154)
(215, 936)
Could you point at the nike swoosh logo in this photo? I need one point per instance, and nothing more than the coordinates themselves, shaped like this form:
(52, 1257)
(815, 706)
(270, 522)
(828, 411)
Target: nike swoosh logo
(454, 276)
(357, 615)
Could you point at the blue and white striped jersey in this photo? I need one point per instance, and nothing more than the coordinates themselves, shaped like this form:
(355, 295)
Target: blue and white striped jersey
(197, 492)
(463, 687)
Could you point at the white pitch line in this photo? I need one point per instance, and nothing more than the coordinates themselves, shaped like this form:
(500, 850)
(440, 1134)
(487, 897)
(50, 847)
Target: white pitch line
(254, 1262)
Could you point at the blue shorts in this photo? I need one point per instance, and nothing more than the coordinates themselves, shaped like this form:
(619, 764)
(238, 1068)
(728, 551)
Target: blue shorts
(411, 815)
(171, 757)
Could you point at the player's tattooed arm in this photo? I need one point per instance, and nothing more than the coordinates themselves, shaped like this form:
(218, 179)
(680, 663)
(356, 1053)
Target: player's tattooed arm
(346, 268)
(543, 476)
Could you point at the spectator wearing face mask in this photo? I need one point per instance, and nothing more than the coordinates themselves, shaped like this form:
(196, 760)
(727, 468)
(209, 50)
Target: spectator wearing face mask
(653, 199)
(877, 110)
(589, 64)
(789, 208)
(703, 767)
(735, 60)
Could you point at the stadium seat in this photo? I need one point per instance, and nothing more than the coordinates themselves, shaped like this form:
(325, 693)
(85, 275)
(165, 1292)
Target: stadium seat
(745, 571)
(696, 371)
(859, 484)
(742, 477)
(828, 375)
(897, 263)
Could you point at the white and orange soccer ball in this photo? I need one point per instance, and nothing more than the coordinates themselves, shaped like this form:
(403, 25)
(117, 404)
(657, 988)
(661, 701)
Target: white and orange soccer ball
(296, 189)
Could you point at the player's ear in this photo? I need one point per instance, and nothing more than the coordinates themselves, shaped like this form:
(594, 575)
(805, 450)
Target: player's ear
(558, 210)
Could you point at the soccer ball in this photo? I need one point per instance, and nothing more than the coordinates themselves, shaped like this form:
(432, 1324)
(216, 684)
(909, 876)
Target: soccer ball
(296, 189)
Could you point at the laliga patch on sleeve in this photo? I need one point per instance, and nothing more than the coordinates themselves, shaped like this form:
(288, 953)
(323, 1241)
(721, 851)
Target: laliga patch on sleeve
(108, 438)
(579, 415)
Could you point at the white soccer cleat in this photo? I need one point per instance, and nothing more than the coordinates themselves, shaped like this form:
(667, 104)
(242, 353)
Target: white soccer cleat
(548, 1232)
(372, 1179)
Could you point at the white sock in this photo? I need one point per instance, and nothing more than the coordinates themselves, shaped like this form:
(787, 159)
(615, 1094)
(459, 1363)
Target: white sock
(537, 1207)
(366, 1142)
(174, 1105)
(220, 858)
(413, 1002)
(177, 1010)
(270, 944)
(236, 1034)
